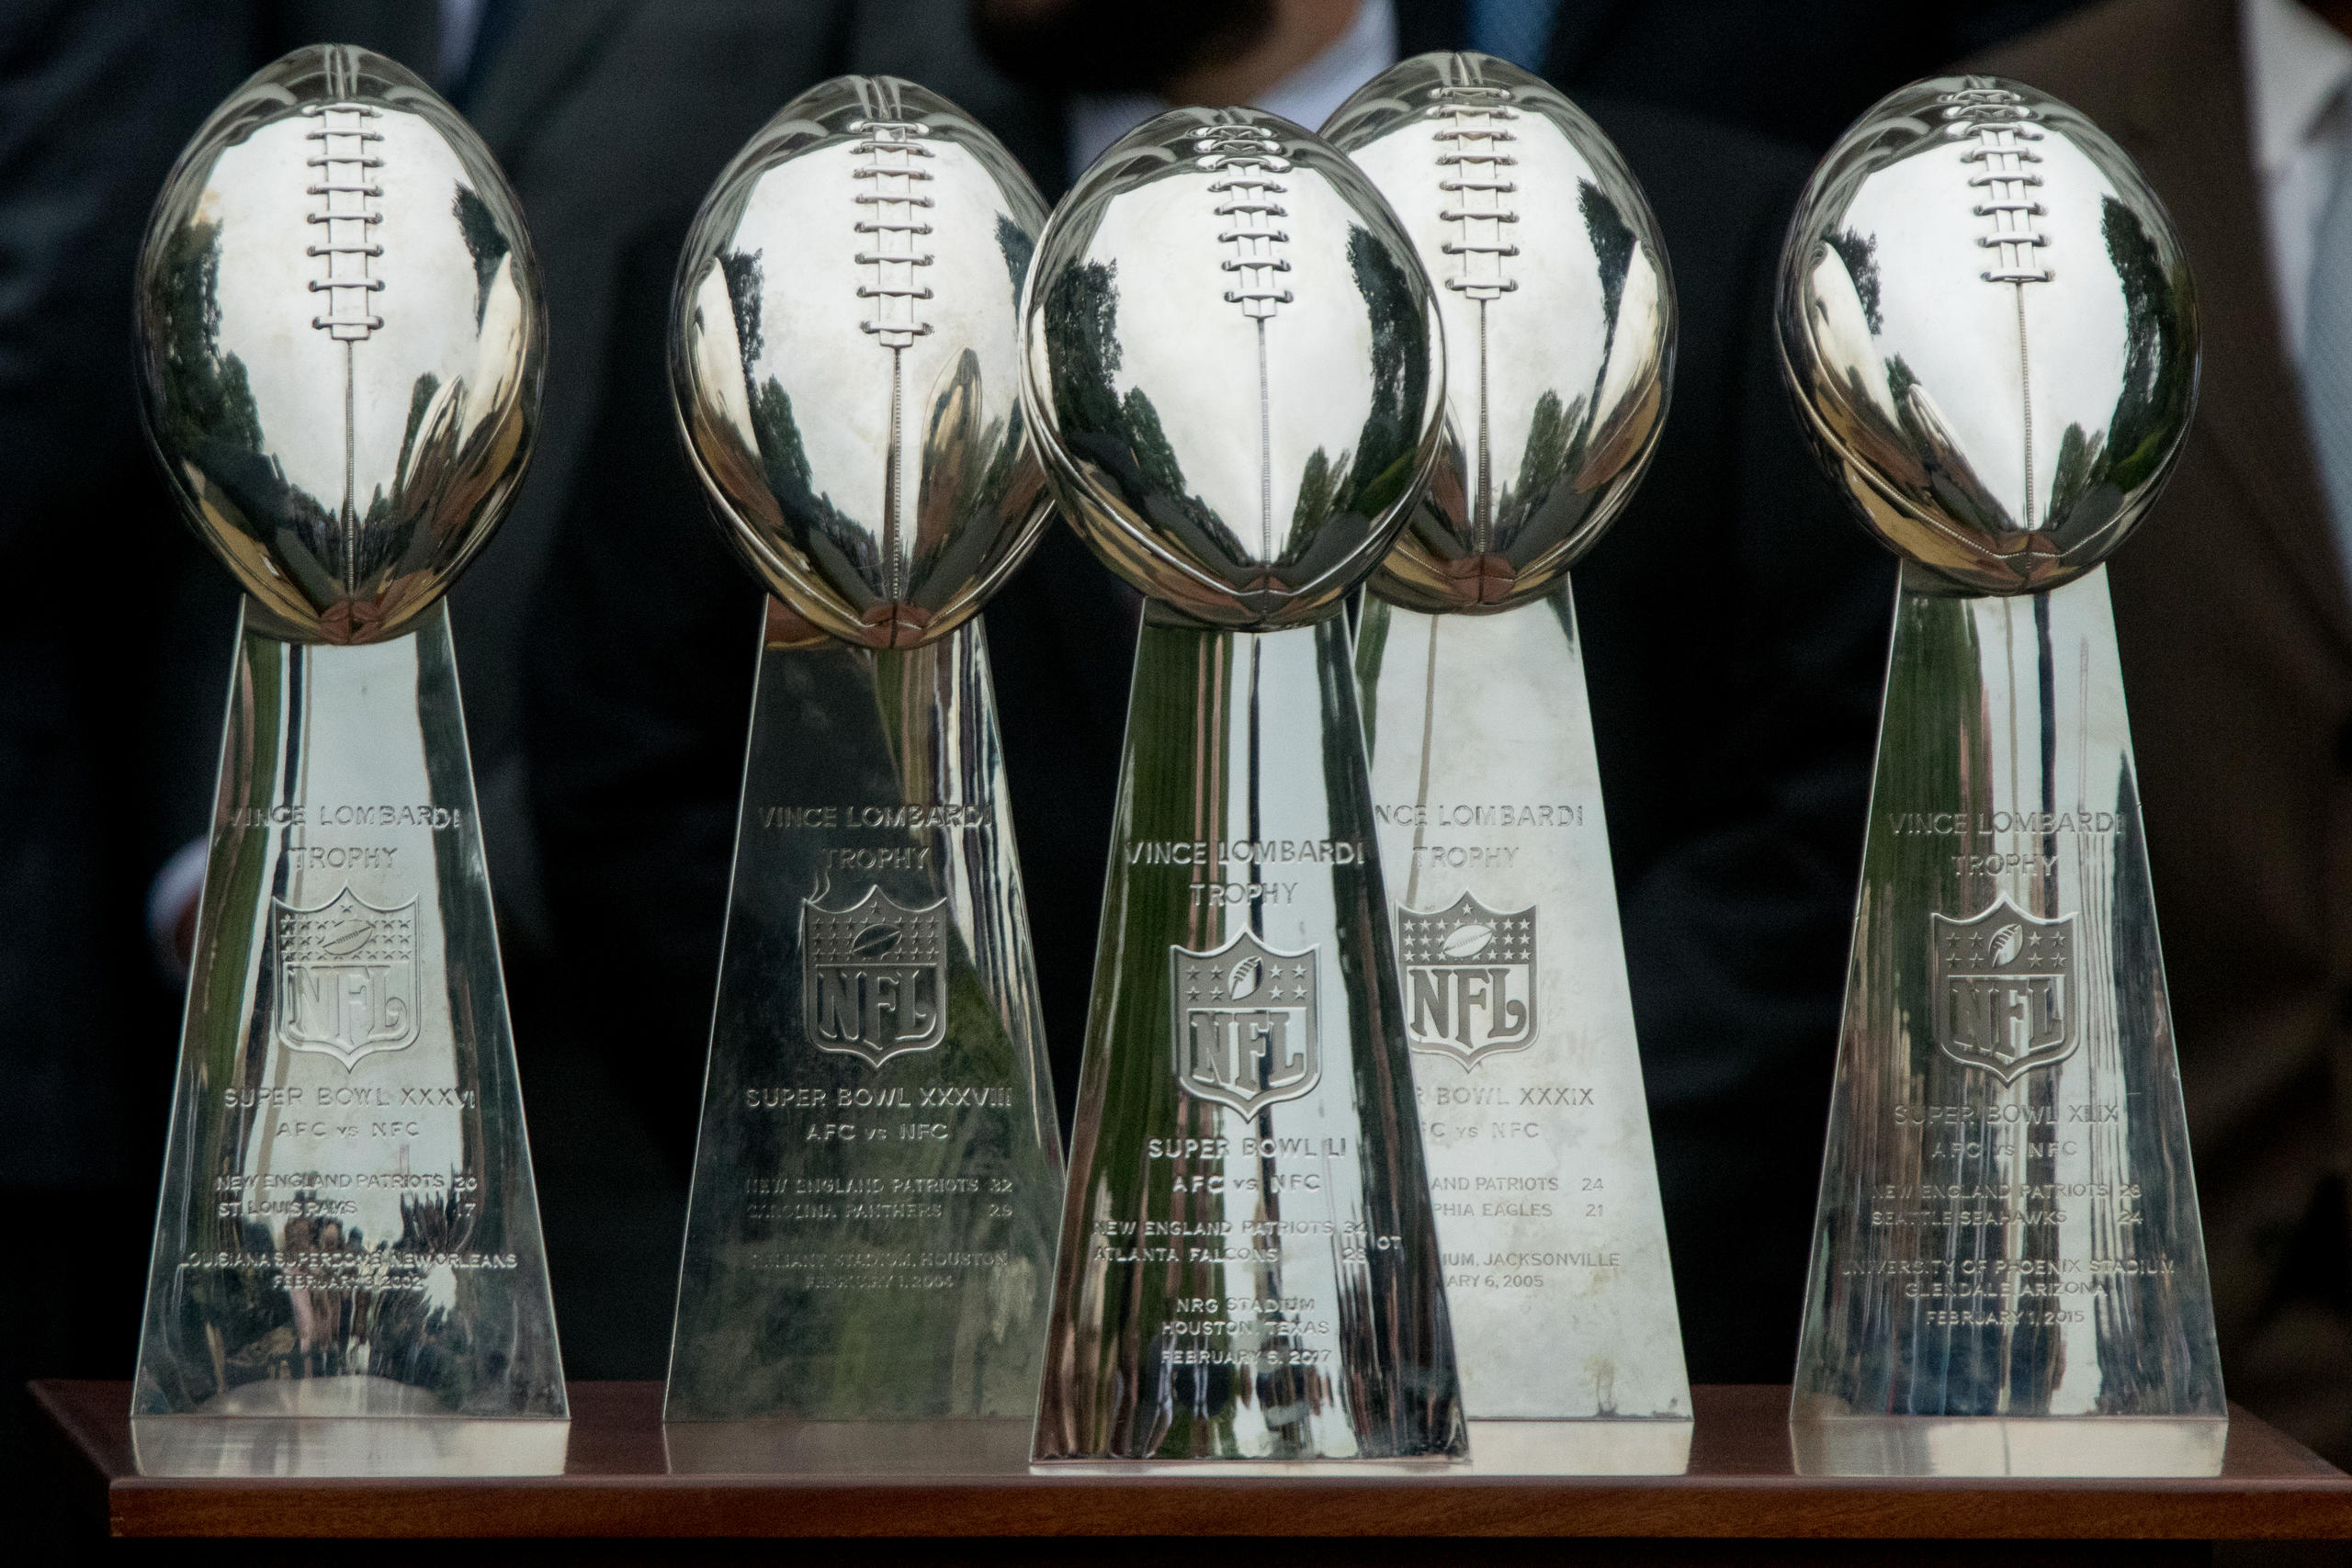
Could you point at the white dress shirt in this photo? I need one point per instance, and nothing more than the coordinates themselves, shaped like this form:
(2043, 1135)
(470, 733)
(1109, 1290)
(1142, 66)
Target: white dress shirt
(2297, 67)
(1307, 97)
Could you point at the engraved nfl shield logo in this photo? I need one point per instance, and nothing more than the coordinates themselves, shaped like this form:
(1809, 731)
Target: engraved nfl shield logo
(2004, 988)
(1469, 979)
(1245, 1023)
(874, 977)
(346, 978)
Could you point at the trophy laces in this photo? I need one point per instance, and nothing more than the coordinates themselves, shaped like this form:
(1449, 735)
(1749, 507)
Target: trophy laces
(889, 151)
(1476, 166)
(1999, 123)
(1254, 158)
(346, 163)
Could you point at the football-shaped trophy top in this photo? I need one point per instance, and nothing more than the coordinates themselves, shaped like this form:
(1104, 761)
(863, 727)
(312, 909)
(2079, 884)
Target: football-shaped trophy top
(1232, 357)
(1559, 321)
(844, 352)
(340, 343)
(1990, 331)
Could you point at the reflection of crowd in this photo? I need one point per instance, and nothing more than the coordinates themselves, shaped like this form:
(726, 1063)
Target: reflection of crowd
(320, 1317)
(321, 1301)
(1734, 619)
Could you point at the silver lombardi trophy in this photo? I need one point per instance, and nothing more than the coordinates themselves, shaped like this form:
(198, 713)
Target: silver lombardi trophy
(1991, 333)
(341, 339)
(870, 1235)
(1232, 359)
(1559, 330)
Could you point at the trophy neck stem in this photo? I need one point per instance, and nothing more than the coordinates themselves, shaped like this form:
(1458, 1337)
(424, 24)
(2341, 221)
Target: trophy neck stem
(1230, 729)
(347, 1111)
(1245, 1113)
(1486, 788)
(1457, 708)
(877, 1091)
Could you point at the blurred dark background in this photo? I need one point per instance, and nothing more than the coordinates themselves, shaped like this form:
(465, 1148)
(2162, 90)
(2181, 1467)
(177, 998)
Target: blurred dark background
(1735, 619)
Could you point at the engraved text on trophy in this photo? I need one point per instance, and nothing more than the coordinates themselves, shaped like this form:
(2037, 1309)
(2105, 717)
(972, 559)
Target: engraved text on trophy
(1469, 979)
(1245, 1032)
(346, 978)
(2004, 988)
(875, 982)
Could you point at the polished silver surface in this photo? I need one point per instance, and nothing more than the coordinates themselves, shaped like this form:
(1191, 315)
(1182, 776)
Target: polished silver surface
(1559, 321)
(1234, 362)
(942, 1450)
(2008, 1220)
(1249, 1268)
(965, 1446)
(871, 1231)
(1909, 1447)
(348, 1225)
(844, 356)
(1233, 359)
(338, 1427)
(340, 343)
(1486, 795)
(1991, 330)
(1559, 332)
(870, 1236)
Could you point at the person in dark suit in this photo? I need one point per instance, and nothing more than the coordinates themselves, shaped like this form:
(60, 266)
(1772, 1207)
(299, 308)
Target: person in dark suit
(92, 110)
(94, 104)
(1735, 623)
(1794, 71)
(1799, 70)
(2235, 625)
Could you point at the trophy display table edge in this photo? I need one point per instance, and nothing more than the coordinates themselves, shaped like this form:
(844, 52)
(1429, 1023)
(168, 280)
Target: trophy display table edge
(1742, 1483)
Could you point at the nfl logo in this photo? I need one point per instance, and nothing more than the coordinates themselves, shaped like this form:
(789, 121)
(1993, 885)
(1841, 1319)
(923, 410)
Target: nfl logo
(1469, 981)
(1246, 1023)
(874, 977)
(2004, 988)
(346, 978)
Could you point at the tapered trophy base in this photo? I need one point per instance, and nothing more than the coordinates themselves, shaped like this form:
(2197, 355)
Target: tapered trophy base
(1604, 1445)
(2055, 1447)
(1495, 1450)
(870, 1235)
(354, 1427)
(348, 1229)
(969, 1445)
(1496, 853)
(988, 1447)
(1249, 1270)
(2008, 1222)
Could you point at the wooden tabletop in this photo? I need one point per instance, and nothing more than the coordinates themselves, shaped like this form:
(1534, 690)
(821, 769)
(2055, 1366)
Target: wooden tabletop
(1741, 1484)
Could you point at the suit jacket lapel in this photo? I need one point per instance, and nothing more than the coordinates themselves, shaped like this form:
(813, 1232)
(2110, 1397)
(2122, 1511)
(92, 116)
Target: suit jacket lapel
(2188, 127)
